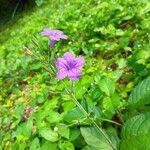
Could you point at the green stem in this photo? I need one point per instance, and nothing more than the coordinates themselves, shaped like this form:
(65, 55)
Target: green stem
(107, 120)
(78, 122)
(88, 116)
(120, 116)
(48, 57)
(79, 105)
(104, 134)
(71, 93)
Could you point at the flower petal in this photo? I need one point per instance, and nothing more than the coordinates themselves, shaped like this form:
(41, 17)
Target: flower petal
(68, 56)
(79, 62)
(56, 38)
(62, 74)
(74, 74)
(64, 37)
(58, 32)
(61, 63)
(46, 32)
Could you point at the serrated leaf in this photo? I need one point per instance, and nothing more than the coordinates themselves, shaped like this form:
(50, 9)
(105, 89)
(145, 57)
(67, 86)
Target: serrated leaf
(107, 86)
(95, 139)
(135, 133)
(141, 94)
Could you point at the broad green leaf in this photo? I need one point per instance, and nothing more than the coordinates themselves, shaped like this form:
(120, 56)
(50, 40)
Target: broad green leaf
(141, 94)
(68, 105)
(122, 63)
(25, 129)
(74, 115)
(96, 93)
(110, 104)
(19, 111)
(63, 130)
(35, 144)
(74, 134)
(49, 135)
(135, 133)
(95, 139)
(53, 117)
(124, 41)
(107, 86)
(82, 85)
(113, 135)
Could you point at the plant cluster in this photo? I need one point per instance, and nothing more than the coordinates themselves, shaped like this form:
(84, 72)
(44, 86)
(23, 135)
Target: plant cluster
(99, 99)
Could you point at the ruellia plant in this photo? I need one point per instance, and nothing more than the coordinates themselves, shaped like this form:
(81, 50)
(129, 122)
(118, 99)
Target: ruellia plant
(91, 115)
(84, 86)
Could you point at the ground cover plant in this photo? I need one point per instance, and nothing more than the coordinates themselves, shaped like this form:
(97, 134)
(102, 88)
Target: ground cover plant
(76, 75)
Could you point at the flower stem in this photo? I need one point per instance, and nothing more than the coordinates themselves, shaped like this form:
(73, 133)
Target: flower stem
(107, 120)
(71, 93)
(88, 116)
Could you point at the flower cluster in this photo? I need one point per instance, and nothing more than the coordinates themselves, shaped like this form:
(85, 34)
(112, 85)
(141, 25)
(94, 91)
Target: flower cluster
(68, 65)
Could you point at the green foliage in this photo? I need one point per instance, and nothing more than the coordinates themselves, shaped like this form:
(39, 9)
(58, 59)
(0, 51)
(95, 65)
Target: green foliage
(35, 111)
(135, 133)
(141, 94)
(49, 135)
(107, 86)
(94, 139)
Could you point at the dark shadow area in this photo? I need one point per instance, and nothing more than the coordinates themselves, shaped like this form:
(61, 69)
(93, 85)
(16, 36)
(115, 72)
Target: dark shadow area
(10, 8)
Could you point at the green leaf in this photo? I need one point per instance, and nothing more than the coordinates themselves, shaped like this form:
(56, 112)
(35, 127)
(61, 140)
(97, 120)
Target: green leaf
(107, 85)
(135, 133)
(122, 63)
(94, 138)
(65, 145)
(124, 41)
(63, 130)
(19, 111)
(82, 85)
(96, 93)
(25, 129)
(35, 144)
(53, 117)
(90, 148)
(141, 94)
(49, 135)
(74, 115)
(74, 134)
(49, 145)
(108, 107)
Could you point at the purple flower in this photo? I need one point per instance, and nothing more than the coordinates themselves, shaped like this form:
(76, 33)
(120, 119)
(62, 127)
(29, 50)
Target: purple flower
(69, 66)
(55, 35)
